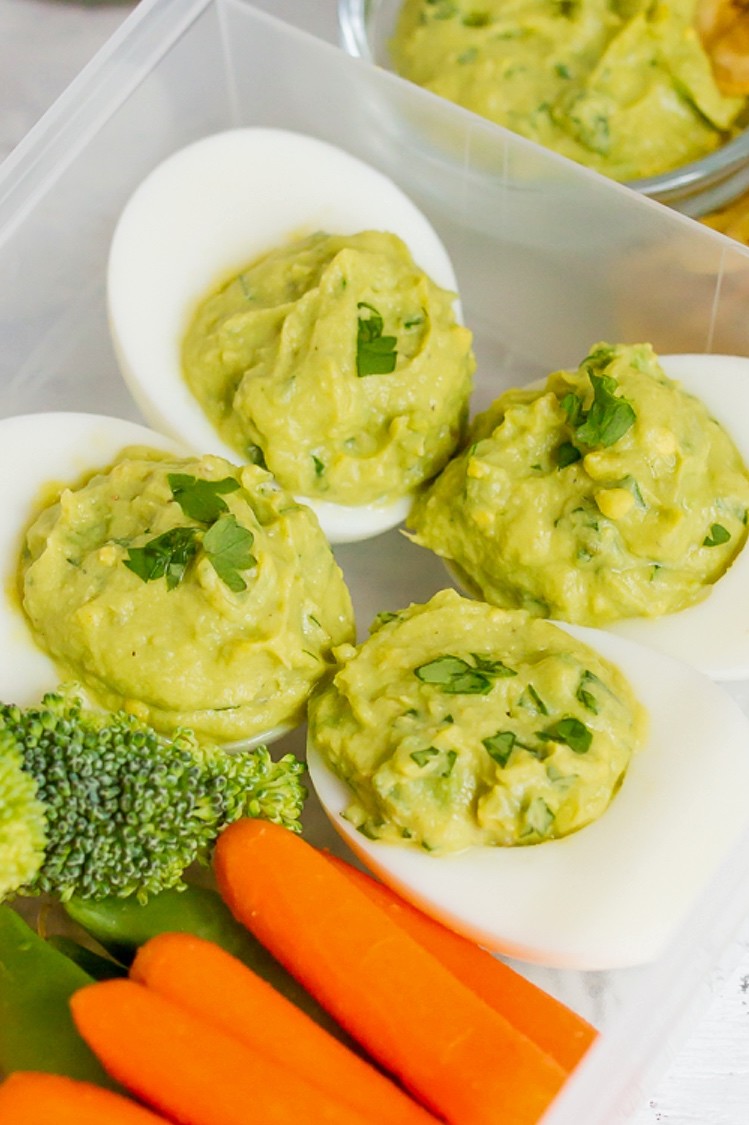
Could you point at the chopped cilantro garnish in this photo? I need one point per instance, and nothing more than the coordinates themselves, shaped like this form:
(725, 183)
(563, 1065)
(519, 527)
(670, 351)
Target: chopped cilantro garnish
(572, 405)
(383, 618)
(319, 466)
(451, 757)
(499, 746)
(375, 353)
(430, 753)
(227, 545)
(567, 454)
(718, 534)
(492, 667)
(456, 676)
(476, 19)
(166, 556)
(532, 701)
(585, 695)
(608, 418)
(201, 499)
(424, 757)
(571, 732)
(539, 816)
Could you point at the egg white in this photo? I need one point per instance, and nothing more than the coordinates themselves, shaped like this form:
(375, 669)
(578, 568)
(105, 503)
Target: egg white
(202, 216)
(713, 634)
(613, 894)
(37, 450)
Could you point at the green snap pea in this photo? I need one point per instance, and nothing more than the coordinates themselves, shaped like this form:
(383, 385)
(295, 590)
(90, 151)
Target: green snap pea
(36, 1029)
(97, 967)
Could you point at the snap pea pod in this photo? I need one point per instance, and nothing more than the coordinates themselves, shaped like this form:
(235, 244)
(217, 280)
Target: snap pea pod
(36, 1028)
(121, 925)
(97, 967)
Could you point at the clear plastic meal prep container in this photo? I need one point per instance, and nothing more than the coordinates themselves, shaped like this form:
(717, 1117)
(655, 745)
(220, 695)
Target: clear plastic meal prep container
(550, 258)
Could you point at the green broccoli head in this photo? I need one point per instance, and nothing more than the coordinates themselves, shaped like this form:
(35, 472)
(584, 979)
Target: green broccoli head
(22, 821)
(127, 809)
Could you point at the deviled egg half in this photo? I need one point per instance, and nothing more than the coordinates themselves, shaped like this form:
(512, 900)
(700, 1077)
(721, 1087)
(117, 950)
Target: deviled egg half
(616, 496)
(273, 299)
(187, 590)
(556, 793)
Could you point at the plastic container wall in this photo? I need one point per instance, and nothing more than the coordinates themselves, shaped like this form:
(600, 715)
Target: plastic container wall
(550, 259)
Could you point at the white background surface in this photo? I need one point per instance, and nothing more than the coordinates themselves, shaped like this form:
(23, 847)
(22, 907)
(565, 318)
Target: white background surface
(43, 44)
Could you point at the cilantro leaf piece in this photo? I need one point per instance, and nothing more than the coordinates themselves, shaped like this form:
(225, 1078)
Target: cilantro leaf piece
(539, 816)
(572, 405)
(201, 499)
(609, 417)
(424, 757)
(451, 757)
(442, 670)
(492, 667)
(499, 746)
(454, 676)
(571, 732)
(167, 555)
(718, 534)
(584, 694)
(567, 454)
(375, 354)
(227, 545)
(532, 701)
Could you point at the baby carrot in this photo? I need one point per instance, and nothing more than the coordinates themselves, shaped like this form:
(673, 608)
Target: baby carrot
(461, 1059)
(201, 977)
(34, 1098)
(189, 1070)
(554, 1027)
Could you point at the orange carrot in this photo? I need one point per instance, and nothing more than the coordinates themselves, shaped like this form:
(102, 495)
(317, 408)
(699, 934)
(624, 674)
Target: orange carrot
(201, 977)
(31, 1098)
(555, 1028)
(459, 1057)
(190, 1071)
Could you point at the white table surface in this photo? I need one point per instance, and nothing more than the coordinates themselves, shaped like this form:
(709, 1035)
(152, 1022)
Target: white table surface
(43, 44)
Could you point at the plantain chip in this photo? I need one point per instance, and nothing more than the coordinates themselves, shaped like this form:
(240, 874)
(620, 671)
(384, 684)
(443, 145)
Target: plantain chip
(723, 26)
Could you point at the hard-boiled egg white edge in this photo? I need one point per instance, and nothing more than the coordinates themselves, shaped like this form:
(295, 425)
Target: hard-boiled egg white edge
(713, 634)
(613, 894)
(205, 213)
(37, 450)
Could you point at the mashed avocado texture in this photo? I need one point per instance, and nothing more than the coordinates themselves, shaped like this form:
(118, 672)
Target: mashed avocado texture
(336, 362)
(188, 591)
(458, 723)
(623, 86)
(608, 493)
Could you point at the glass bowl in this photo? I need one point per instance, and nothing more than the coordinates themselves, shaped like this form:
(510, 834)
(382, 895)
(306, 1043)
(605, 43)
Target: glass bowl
(695, 189)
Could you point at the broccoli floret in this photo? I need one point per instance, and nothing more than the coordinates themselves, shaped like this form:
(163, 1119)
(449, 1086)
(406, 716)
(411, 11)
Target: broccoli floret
(127, 809)
(22, 821)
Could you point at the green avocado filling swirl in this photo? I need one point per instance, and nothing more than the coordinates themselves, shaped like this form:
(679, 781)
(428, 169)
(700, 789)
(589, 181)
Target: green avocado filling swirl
(186, 591)
(459, 724)
(622, 86)
(337, 363)
(608, 493)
